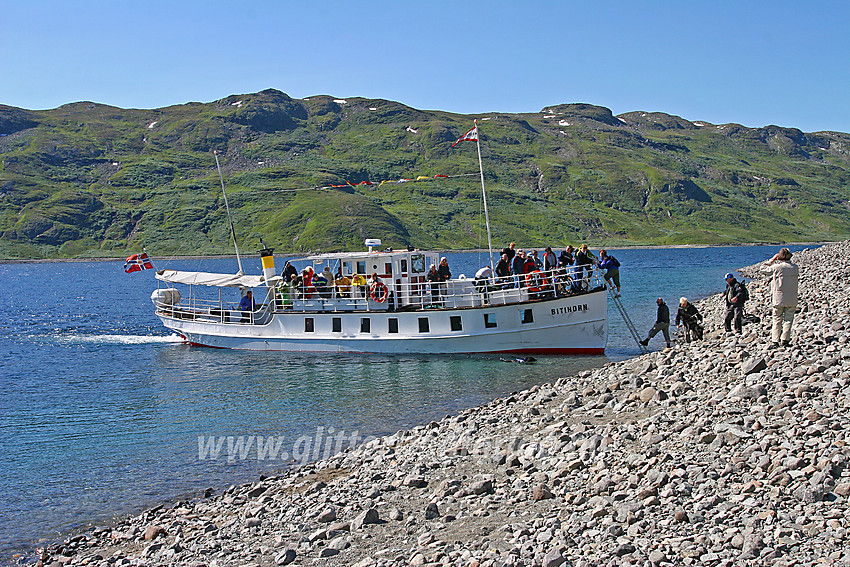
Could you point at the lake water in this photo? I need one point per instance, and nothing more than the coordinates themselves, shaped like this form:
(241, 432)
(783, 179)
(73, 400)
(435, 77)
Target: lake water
(101, 410)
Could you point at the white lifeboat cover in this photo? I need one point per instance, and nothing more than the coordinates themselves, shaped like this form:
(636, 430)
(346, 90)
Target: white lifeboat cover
(210, 279)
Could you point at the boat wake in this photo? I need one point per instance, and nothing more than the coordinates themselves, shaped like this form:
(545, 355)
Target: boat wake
(119, 339)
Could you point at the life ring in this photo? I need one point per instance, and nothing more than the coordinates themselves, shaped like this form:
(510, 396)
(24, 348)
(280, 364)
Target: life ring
(379, 292)
(536, 281)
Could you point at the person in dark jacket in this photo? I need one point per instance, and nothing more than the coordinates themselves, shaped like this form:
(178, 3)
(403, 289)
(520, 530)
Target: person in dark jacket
(584, 260)
(691, 318)
(518, 268)
(566, 258)
(503, 271)
(433, 279)
(735, 296)
(445, 275)
(510, 251)
(662, 323)
(288, 271)
(538, 263)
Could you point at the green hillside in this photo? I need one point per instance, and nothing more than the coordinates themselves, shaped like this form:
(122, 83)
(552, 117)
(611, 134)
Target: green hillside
(87, 179)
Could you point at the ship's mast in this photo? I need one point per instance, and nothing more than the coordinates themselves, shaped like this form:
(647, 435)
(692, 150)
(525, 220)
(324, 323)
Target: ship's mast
(230, 219)
(484, 195)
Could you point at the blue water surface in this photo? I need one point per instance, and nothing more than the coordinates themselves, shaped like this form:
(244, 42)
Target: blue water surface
(101, 409)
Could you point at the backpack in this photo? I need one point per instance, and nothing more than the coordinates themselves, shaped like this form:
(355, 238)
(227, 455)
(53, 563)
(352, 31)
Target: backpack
(615, 261)
(745, 294)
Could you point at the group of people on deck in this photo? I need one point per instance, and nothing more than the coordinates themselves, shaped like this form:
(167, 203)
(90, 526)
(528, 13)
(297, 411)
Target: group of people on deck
(309, 284)
(784, 283)
(514, 266)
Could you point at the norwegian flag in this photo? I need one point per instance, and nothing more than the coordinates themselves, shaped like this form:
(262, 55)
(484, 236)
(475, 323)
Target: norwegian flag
(138, 262)
(472, 136)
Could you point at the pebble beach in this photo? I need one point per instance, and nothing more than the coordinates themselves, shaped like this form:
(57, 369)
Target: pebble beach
(724, 451)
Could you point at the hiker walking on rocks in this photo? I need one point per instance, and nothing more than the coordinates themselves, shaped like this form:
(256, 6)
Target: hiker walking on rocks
(662, 323)
(691, 318)
(784, 282)
(736, 294)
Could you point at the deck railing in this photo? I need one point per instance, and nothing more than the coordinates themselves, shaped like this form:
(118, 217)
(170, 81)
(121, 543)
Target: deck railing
(452, 294)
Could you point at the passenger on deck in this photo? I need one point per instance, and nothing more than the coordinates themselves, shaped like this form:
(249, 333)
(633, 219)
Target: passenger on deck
(445, 276)
(291, 291)
(503, 271)
(288, 271)
(343, 285)
(538, 263)
(307, 288)
(323, 285)
(530, 264)
(433, 279)
(566, 258)
(550, 261)
(518, 268)
(510, 251)
(482, 279)
(359, 283)
(247, 302)
(584, 262)
(443, 270)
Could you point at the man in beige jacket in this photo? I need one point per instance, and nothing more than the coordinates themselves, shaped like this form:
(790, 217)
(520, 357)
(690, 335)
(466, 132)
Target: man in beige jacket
(784, 278)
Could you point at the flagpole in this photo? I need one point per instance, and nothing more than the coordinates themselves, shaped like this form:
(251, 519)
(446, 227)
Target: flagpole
(229, 219)
(484, 194)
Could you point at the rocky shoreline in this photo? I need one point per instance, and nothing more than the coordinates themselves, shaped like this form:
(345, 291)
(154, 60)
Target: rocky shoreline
(719, 452)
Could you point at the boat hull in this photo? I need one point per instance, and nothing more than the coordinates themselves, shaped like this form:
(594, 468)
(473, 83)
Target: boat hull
(565, 325)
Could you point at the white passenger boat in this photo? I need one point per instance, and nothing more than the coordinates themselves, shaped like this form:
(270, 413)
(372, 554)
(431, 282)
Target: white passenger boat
(400, 311)
(540, 313)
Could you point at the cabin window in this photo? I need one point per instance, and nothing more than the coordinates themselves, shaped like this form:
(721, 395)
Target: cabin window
(402, 265)
(388, 268)
(309, 325)
(455, 323)
(424, 325)
(392, 325)
(346, 268)
(365, 325)
(417, 263)
(336, 324)
(490, 320)
(527, 316)
(361, 267)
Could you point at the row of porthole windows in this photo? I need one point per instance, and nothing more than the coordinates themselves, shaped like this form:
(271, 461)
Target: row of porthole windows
(455, 323)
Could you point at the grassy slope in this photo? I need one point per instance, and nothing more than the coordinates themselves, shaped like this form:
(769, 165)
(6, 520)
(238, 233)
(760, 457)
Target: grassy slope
(93, 180)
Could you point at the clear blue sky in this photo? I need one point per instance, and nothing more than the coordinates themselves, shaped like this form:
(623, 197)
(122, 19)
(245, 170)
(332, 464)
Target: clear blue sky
(752, 62)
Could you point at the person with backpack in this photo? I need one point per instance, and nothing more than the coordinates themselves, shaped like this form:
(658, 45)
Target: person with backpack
(691, 318)
(612, 269)
(736, 295)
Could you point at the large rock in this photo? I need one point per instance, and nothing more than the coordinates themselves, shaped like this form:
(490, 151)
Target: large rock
(153, 532)
(366, 517)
